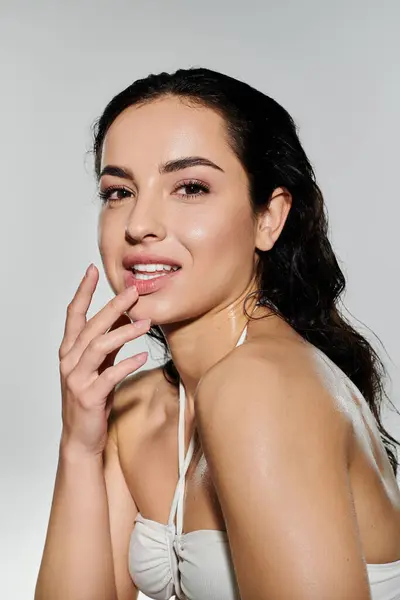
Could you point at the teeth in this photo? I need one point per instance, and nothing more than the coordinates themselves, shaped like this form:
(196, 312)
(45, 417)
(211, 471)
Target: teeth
(150, 268)
(151, 271)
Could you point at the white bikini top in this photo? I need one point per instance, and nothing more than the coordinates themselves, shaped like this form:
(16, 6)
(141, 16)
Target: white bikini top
(166, 563)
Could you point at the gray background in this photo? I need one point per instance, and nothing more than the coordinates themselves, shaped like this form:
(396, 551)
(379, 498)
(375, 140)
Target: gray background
(333, 65)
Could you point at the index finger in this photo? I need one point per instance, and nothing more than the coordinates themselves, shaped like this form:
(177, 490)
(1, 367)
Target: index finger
(78, 307)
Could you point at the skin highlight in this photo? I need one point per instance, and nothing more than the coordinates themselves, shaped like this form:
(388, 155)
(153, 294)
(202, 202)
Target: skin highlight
(212, 234)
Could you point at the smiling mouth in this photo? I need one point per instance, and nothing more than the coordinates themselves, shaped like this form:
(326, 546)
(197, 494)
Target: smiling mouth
(150, 279)
(147, 276)
(144, 274)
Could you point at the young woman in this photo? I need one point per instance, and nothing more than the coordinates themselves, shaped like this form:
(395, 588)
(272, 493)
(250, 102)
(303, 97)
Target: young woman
(253, 464)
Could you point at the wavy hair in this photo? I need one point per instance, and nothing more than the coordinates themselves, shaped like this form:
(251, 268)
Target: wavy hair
(299, 278)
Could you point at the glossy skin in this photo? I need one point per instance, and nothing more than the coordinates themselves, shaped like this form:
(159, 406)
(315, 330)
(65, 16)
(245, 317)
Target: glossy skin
(253, 388)
(213, 235)
(282, 477)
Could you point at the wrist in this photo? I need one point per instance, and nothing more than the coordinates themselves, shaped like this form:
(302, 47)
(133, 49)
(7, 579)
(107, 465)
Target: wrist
(73, 452)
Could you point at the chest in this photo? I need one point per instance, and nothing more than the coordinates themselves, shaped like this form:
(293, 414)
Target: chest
(151, 471)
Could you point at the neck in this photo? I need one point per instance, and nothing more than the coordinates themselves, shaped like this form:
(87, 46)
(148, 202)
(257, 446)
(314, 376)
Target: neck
(197, 345)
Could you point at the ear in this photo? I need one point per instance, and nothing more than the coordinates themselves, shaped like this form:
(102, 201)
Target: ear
(271, 221)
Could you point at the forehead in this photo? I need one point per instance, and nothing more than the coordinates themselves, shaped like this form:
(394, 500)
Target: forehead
(165, 129)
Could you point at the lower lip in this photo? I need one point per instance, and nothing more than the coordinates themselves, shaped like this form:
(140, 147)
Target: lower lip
(148, 286)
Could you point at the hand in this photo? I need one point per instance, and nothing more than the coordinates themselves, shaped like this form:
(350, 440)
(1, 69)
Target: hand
(87, 371)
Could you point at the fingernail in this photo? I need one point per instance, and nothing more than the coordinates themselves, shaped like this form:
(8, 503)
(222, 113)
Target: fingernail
(89, 269)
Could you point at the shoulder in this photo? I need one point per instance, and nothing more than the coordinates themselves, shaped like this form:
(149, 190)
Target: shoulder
(273, 381)
(277, 451)
(132, 400)
(265, 365)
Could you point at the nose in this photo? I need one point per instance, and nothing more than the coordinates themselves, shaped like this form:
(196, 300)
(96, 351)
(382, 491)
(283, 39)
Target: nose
(145, 220)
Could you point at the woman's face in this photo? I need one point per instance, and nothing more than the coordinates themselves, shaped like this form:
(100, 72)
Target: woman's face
(197, 216)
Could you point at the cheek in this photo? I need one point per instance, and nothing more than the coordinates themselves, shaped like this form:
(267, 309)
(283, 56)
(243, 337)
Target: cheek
(104, 237)
(111, 227)
(225, 235)
(109, 237)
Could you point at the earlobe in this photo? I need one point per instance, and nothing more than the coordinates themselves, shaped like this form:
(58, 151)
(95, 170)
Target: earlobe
(264, 238)
(272, 220)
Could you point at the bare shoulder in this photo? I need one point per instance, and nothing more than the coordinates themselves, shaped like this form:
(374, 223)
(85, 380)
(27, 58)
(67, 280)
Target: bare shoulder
(264, 357)
(268, 424)
(132, 400)
(275, 378)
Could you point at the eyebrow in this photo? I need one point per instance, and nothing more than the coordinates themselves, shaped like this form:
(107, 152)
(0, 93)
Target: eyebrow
(169, 167)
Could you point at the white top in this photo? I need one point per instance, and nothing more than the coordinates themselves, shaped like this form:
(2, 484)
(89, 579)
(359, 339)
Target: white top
(164, 562)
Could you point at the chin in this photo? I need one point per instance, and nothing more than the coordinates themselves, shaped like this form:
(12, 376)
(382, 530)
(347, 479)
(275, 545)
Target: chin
(158, 311)
(161, 312)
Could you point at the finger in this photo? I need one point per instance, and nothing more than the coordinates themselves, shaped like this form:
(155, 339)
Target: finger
(77, 310)
(99, 349)
(110, 358)
(102, 387)
(121, 320)
(106, 317)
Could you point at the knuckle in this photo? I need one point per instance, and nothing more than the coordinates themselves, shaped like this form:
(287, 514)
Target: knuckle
(96, 345)
(115, 304)
(109, 374)
(64, 368)
(70, 308)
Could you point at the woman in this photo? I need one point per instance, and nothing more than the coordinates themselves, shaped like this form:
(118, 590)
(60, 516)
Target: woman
(213, 229)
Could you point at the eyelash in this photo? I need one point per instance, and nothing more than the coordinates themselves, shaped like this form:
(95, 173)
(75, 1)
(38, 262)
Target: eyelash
(105, 194)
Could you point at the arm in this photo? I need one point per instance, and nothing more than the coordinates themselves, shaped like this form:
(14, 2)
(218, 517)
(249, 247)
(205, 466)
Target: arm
(122, 511)
(277, 452)
(86, 529)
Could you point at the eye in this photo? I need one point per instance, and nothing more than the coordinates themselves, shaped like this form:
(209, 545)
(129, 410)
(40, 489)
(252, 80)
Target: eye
(193, 188)
(114, 194)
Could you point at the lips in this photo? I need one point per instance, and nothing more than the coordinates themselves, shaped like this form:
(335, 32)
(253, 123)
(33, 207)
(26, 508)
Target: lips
(148, 286)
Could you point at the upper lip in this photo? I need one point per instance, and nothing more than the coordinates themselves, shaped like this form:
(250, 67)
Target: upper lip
(135, 258)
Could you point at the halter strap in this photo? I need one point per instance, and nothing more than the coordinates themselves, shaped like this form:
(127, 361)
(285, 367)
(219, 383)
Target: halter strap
(184, 461)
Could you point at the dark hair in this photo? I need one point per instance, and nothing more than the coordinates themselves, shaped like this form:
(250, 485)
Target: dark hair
(299, 278)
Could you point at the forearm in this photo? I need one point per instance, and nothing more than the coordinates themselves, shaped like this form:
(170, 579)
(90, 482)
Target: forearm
(77, 559)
